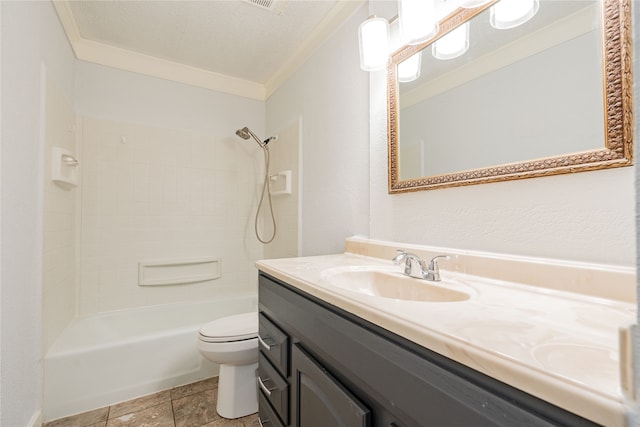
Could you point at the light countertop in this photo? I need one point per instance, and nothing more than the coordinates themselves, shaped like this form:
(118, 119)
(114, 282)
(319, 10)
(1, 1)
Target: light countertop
(560, 346)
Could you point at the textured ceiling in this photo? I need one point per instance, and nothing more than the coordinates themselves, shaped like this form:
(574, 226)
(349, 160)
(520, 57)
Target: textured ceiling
(231, 37)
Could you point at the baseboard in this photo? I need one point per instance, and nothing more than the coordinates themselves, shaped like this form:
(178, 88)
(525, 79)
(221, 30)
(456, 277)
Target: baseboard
(36, 420)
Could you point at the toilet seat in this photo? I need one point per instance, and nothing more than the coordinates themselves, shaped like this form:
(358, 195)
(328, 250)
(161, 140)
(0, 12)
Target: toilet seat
(232, 343)
(239, 327)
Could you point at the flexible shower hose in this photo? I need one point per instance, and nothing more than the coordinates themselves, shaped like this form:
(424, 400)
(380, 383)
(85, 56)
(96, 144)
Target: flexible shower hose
(267, 188)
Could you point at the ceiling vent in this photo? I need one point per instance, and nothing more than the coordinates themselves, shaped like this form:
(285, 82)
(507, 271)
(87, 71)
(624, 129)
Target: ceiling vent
(262, 4)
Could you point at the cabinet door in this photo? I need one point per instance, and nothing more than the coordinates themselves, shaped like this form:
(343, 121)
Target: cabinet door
(319, 400)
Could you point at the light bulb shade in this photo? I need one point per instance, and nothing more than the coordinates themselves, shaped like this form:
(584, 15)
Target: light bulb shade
(453, 44)
(409, 69)
(470, 4)
(418, 20)
(510, 13)
(373, 36)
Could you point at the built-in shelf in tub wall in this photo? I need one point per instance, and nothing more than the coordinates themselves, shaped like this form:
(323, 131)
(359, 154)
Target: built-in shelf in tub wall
(178, 271)
(64, 168)
(280, 183)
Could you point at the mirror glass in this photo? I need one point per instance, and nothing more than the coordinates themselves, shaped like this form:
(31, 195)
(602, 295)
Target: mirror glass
(520, 102)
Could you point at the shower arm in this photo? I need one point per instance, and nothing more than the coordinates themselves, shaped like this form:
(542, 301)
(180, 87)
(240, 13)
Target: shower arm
(261, 143)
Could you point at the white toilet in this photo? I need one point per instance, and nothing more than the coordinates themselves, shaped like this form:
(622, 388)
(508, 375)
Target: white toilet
(232, 342)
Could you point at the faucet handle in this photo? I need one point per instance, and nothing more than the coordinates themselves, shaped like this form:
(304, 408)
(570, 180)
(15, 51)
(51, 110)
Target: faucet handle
(401, 255)
(410, 260)
(434, 263)
(433, 266)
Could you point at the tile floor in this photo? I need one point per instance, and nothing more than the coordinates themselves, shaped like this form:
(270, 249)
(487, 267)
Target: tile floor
(192, 405)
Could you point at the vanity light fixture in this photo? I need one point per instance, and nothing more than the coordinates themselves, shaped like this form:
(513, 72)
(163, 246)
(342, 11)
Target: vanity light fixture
(373, 36)
(409, 69)
(418, 23)
(452, 44)
(418, 20)
(510, 13)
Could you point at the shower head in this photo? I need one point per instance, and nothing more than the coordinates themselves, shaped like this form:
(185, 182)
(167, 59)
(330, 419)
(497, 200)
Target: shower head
(245, 133)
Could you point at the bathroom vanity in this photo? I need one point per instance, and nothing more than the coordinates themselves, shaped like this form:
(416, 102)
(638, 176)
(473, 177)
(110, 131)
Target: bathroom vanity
(464, 353)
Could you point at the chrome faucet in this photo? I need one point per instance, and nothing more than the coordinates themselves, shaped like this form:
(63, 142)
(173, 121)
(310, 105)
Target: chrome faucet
(418, 268)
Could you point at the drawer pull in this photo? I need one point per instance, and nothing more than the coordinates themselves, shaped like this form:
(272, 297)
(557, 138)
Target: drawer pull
(264, 343)
(262, 423)
(264, 388)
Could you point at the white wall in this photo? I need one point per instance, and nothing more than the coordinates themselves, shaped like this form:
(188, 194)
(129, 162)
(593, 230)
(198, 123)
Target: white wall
(284, 156)
(1, 216)
(584, 217)
(635, 418)
(330, 93)
(109, 93)
(164, 178)
(31, 36)
(59, 287)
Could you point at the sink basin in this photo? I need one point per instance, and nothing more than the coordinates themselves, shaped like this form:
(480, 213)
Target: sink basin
(391, 284)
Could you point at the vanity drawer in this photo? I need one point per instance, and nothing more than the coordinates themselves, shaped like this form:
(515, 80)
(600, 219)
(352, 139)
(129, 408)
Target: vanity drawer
(273, 387)
(274, 344)
(266, 415)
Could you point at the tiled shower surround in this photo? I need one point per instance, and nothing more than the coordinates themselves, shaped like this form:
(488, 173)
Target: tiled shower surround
(192, 405)
(157, 194)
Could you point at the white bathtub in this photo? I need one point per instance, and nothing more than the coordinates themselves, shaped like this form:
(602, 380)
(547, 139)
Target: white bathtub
(111, 357)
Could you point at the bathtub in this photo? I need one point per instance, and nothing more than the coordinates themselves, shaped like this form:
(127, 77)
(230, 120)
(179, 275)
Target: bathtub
(111, 357)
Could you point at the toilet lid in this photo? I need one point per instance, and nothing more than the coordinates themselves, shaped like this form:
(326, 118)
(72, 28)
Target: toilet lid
(231, 328)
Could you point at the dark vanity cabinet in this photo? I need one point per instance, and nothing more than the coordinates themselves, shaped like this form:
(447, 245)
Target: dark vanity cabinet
(320, 366)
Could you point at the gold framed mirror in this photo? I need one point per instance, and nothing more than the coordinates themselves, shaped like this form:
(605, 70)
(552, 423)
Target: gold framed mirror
(553, 125)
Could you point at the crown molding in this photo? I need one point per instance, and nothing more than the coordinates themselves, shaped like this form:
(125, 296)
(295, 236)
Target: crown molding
(68, 22)
(128, 60)
(124, 59)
